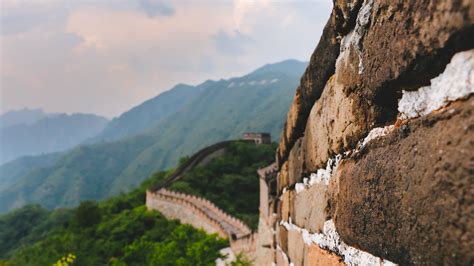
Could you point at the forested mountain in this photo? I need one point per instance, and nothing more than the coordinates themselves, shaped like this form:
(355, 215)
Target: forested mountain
(223, 110)
(149, 113)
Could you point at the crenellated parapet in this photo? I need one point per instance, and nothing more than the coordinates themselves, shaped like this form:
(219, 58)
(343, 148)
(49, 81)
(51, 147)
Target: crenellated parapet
(226, 225)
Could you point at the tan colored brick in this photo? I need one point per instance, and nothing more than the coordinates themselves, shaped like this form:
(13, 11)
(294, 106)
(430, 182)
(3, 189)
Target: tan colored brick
(310, 208)
(316, 256)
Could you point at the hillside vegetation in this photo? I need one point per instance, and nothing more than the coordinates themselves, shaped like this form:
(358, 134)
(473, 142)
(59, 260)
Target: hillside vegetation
(119, 231)
(223, 110)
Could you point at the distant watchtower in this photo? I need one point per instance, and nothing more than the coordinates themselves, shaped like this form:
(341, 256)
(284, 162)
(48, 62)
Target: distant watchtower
(257, 137)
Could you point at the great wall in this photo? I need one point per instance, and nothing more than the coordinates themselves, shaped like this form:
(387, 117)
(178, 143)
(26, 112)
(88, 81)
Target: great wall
(375, 165)
(202, 213)
(376, 162)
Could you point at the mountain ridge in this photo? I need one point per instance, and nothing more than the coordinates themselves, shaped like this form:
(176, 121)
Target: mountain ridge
(222, 111)
(51, 133)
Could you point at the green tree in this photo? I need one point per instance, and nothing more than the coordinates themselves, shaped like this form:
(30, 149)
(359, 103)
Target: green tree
(87, 214)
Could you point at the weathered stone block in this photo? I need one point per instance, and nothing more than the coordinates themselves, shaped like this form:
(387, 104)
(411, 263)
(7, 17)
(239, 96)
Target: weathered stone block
(286, 200)
(282, 238)
(409, 197)
(406, 42)
(283, 178)
(316, 256)
(310, 208)
(296, 247)
(265, 251)
(336, 123)
(295, 163)
(281, 259)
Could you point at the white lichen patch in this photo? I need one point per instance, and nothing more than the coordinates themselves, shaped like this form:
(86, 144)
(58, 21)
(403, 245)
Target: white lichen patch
(321, 176)
(353, 38)
(377, 132)
(299, 187)
(456, 82)
(329, 239)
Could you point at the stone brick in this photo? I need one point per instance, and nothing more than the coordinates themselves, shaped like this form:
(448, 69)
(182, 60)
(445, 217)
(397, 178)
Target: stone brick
(265, 251)
(283, 178)
(296, 247)
(356, 101)
(281, 260)
(336, 123)
(316, 256)
(282, 238)
(409, 196)
(295, 163)
(286, 205)
(310, 208)
(405, 43)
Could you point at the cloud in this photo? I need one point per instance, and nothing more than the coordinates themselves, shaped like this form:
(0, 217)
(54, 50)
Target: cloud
(21, 16)
(107, 56)
(154, 8)
(231, 43)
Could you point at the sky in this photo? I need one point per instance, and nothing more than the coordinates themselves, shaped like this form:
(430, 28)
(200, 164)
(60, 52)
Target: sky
(106, 56)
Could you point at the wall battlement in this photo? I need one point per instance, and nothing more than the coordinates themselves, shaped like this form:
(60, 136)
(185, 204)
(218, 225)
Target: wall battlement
(201, 213)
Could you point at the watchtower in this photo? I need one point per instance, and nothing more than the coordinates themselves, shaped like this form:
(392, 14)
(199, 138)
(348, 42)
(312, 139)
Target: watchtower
(257, 137)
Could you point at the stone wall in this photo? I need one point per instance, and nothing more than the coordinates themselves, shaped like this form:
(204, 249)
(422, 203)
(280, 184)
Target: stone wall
(203, 214)
(200, 158)
(376, 161)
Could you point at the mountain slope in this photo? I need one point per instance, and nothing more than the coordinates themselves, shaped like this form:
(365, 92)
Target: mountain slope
(50, 134)
(12, 171)
(223, 110)
(149, 113)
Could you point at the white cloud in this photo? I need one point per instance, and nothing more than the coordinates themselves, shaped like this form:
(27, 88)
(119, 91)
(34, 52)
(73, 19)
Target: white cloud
(106, 57)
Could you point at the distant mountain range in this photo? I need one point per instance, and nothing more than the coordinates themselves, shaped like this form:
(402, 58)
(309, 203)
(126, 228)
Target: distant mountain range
(24, 116)
(32, 132)
(153, 136)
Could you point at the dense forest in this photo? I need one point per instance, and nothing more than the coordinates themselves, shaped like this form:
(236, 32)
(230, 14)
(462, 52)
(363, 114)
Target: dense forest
(120, 231)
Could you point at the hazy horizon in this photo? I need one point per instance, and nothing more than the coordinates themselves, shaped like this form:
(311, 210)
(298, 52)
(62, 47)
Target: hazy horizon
(106, 57)
(41, 109)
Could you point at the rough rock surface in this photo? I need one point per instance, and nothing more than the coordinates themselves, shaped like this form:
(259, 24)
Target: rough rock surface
(296, 248)
(406, 196)
(310, 208)
(296, 163)
(402, 45)
(264, 245)
(410, 195)
(283, 178)
(317, 256)
(410, 41)
(336, 123)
